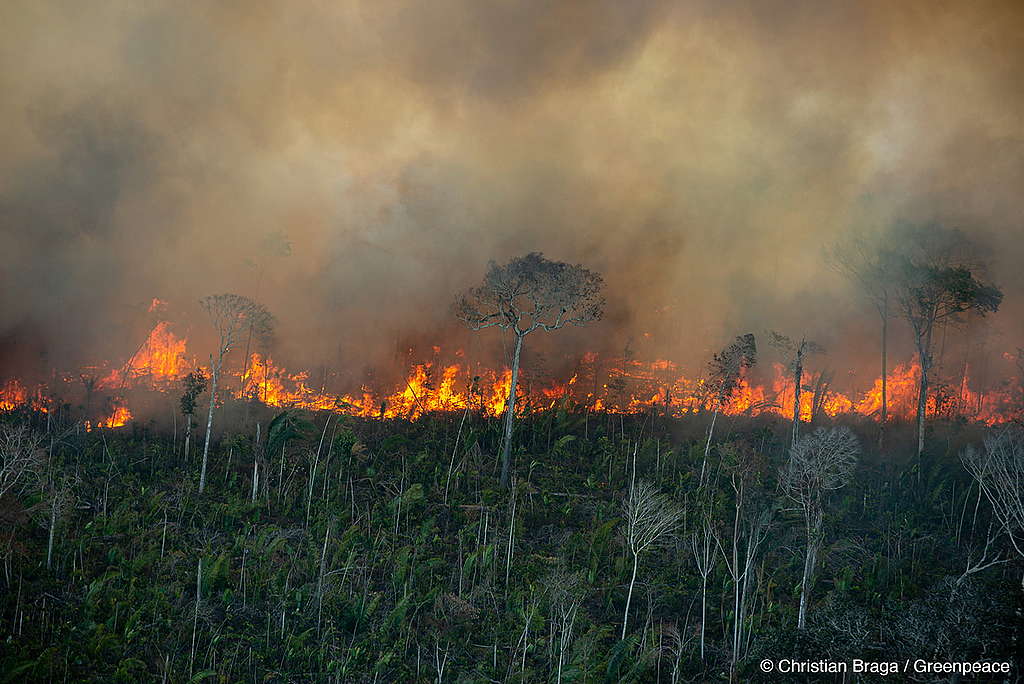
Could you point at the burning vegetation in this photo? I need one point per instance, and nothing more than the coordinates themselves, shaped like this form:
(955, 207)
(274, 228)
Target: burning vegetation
(618, 386)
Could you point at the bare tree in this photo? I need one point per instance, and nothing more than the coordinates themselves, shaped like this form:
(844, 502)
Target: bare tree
(526, 294)
(999, 471)
(231, 315)
(798, 353)
(20, 455)
(934, 285)
(873, 270)
(650, 518)
(818, 464)
(727, 367)
(702, 543)
(565, 594)
(750, 525)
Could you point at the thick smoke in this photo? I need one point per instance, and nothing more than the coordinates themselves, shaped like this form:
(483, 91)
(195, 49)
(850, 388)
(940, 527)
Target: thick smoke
(699, 156)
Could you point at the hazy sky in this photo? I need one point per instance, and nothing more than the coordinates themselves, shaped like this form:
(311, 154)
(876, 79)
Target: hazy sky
(700, 155)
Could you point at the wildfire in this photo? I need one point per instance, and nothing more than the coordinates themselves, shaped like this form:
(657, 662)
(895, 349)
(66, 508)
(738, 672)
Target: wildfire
(160, 358)
(119, 417)
(630, 386)
(13, 395)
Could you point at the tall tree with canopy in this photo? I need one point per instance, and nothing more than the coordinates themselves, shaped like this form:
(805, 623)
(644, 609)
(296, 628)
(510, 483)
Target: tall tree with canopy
(934, 284)
(231, 316)
(872, 269)
(526, 294)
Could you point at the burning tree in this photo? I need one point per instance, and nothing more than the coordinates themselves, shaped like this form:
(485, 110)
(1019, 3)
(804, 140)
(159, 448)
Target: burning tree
(231, 315)
(934, 286)
(818, 464)
(526, 294)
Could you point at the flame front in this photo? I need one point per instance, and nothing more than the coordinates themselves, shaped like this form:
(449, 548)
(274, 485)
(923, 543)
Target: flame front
(630, 386)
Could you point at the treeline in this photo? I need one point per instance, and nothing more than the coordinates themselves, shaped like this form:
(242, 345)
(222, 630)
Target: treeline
(627, 548)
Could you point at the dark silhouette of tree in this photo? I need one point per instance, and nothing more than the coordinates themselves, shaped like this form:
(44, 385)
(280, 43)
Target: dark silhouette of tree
(194, 384)
(934, 285)
(873, 270)
(231, 316)
(526, 294)
(798, 353)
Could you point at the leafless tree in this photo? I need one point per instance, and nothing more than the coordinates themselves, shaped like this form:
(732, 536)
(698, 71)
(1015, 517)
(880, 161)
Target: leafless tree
(526, 294)
(649, 518)
(59, 495)
(750, 526)
(231, 315)
(935, 284)
(20, 455)
(702, 543)
(797, 355)
(565, 594)
(999, 470)
(818, 464)
(727, 367)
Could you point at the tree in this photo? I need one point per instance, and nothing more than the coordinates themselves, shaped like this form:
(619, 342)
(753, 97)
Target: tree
(999, 472)
(752, 515)
(565, 591)
(873, 270)
(702, 544)
(798, 353)
(231, 315)
(649, 518)
(526, 294)
(818, 464)
(727, 367)
(933, 285)
(20, 455)
(194, 384)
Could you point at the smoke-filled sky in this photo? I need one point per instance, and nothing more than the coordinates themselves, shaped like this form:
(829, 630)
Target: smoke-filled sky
(699, 154)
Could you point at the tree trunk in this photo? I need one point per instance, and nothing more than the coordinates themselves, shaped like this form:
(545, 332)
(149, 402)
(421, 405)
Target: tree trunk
(510, 410)
(188, 435)
(707, 447)
(703, 612)
(924, 352)
(53, 529)
(885, 382)
(810, 560)
(798, 376)
(629, 596)
(209, 422)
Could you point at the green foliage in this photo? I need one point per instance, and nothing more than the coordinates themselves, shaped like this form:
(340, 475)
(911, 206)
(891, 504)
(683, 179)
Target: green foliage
(385, 579)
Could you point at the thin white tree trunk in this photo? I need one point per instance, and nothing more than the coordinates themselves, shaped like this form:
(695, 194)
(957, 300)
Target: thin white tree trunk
(209, 422)
(629, 596)
(53, 528)
(707, 447)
